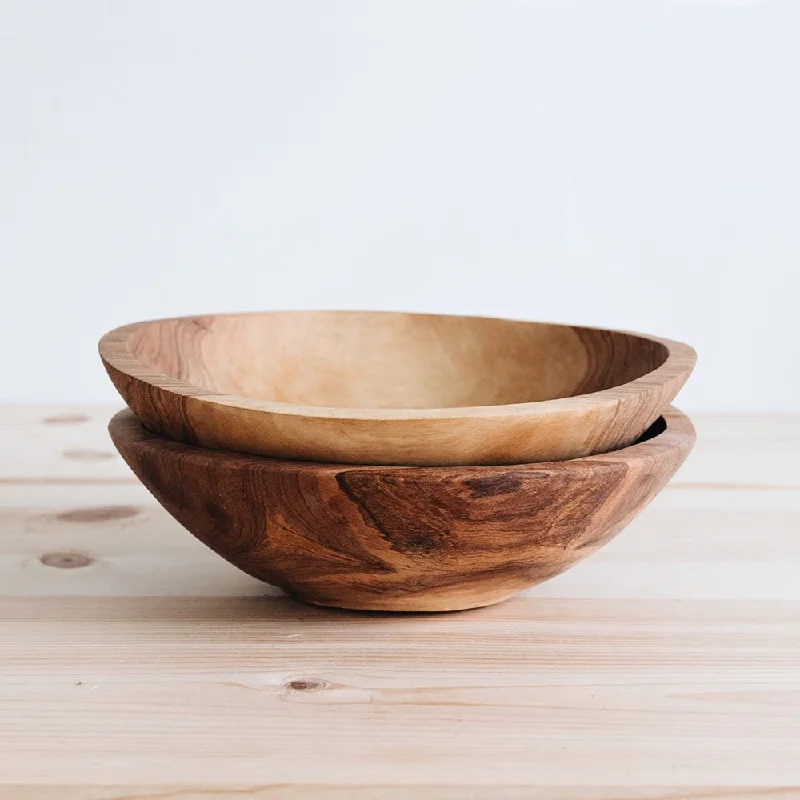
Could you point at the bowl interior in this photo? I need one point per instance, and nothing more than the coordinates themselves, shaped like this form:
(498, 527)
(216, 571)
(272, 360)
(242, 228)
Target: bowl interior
(391, 360)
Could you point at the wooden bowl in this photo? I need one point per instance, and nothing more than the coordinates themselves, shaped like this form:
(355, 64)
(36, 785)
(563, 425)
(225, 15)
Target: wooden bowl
(389, 388)
(402, 538)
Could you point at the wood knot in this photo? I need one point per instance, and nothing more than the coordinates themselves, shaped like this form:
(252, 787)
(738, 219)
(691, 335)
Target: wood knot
(306, 685)
(80, 454)
(65, 419)
(505, 483)
(65, 560)
(98, 514)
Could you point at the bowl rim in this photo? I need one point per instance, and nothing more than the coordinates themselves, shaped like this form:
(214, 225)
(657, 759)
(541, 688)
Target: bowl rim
(678, 433)
(115, 352)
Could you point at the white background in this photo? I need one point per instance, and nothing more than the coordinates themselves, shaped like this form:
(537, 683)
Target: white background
(630, 165)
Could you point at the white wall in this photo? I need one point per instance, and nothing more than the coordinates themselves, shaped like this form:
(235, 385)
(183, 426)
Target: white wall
(632, 165)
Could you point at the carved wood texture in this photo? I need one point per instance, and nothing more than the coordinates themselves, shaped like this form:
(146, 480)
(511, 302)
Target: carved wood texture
(402, 538)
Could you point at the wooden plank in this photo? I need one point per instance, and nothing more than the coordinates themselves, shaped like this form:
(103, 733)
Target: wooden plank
(400, 792)
(58, 443)
(757, 451)
(264, 690)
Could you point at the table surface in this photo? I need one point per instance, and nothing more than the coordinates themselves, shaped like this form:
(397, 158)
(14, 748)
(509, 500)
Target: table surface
(136, 664)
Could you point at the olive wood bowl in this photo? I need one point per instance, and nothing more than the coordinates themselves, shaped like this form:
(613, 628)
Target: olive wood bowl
(402, 538)
(390, 388)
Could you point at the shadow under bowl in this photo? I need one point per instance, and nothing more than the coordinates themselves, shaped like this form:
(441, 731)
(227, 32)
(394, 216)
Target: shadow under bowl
(402, 538)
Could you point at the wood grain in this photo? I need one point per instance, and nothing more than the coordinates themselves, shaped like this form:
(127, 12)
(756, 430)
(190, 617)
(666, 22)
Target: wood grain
(390, 388)
(238, 691)
(49, 443)
(396, 792)
(665, 667)
(402, 538)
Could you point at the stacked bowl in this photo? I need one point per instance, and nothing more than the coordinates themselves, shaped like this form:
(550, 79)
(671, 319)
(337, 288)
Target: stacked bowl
(398, 462)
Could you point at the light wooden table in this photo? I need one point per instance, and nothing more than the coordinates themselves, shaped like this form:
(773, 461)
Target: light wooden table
(136, 664)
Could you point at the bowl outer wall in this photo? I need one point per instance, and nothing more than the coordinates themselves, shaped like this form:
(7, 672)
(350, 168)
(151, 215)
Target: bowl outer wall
(401, 538)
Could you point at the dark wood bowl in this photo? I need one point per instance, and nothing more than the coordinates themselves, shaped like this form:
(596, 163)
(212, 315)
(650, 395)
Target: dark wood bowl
(402, 538)
(363, 387)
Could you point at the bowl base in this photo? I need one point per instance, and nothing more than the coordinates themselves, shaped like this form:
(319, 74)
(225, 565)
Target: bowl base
(411, 604)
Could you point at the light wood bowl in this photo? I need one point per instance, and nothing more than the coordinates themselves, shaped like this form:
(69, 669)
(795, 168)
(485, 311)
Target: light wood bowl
(391, 388)
(402, 538)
